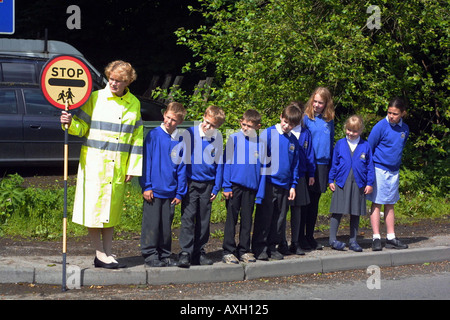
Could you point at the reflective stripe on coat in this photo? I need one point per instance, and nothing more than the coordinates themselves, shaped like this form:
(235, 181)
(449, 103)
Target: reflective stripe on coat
(113, 129)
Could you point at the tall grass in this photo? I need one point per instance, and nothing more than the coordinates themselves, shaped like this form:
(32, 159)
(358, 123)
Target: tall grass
(37, 212)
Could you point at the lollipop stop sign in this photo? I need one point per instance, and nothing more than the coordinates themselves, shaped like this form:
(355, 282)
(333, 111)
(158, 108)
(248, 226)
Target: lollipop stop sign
(66, 82)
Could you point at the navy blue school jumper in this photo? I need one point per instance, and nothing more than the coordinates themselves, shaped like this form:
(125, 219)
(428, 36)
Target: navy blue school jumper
(204, 170)
(165, 174)
(280, 160)
(242, 176)
(298, 206)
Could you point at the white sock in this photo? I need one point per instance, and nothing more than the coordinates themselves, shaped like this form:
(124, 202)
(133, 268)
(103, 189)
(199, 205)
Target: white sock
(376, 236)
(390, 236)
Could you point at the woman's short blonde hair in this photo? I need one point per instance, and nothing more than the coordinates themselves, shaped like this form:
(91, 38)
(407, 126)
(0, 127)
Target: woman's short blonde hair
(124, 69)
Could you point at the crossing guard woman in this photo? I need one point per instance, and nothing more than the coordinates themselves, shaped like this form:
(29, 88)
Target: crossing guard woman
(111, 155)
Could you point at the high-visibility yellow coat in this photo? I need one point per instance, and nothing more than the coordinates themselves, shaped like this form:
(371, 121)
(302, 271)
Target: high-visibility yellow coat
(113, 130)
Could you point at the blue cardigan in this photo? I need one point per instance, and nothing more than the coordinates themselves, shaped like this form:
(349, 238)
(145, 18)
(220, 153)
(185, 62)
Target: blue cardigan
(387, 142)
(163, 171)
(361, 163)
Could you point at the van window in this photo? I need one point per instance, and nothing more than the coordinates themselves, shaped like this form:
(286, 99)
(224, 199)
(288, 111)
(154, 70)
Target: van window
(8, 102)
(37, 105)
(19, 72)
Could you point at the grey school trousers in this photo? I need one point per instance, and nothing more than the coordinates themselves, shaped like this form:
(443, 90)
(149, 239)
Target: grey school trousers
(195, 218)
(156, 233)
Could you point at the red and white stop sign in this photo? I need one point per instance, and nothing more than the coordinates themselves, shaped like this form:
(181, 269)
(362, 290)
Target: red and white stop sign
(66, 81)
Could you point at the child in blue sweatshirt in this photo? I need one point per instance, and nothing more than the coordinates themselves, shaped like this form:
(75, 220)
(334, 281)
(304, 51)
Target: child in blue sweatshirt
(203, 146)
(319, 119)
(387, 139)
(242, 184)
(163, 185)
(351, 177)
(307, 169)
(280, 157)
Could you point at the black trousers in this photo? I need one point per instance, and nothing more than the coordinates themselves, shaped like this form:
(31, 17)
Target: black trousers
(195, 218)
(243, 202)
(298, 220)
(156, 233)
(312, 210)
(315, 191)
(270, 219)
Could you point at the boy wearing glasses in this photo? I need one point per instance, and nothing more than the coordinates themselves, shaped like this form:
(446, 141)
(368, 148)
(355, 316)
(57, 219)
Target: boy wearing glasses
(204, 170)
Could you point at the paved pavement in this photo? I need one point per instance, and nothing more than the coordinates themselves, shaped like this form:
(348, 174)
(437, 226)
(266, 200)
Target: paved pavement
(80, 270)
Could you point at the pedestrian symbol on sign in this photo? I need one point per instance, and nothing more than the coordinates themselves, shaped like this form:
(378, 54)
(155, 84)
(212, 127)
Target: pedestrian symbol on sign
(63, 97)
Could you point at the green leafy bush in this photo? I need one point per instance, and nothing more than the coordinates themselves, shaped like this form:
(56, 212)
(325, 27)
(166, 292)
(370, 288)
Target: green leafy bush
(11, 196)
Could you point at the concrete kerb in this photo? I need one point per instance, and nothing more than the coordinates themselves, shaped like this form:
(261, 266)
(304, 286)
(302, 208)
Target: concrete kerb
(84, 274)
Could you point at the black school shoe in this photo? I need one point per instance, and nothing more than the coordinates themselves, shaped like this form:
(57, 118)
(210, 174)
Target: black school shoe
(376, 245)
(262, 256)
(100, 264)
(155, 263)
(395, 244)
(203, 260)
(168, 262)
(276, 255)
(296, 249)
(184, 260)
(314, 244)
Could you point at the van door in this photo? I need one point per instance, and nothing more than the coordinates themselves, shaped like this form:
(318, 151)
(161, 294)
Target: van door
(11, 133)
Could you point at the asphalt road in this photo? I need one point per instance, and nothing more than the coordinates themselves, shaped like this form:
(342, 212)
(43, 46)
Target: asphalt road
(435, 286)
(428, 281)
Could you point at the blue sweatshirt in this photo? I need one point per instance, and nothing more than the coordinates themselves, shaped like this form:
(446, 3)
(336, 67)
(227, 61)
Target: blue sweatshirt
(361, 162)
(242, 165)
(163, 171)
(387, 142)
(280, 157)
(322, 133)
(307, 165)
(204, 157)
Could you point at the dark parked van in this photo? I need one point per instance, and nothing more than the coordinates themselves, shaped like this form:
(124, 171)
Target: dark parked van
(30, 131)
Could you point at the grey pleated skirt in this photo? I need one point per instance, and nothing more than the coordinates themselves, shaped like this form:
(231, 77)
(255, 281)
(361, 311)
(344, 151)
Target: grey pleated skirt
(350, 199)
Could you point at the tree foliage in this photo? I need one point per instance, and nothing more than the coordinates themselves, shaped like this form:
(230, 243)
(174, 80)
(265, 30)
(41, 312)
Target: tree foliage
(265, 53)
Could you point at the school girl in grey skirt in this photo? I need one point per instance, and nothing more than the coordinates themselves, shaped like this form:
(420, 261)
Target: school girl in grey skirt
(351, 177)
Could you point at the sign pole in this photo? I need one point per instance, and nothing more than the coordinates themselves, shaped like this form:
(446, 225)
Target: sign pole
(66, 173)
(67, 79)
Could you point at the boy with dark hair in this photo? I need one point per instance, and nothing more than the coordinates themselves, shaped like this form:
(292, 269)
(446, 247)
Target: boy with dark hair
(241, 185)
(280, 158)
